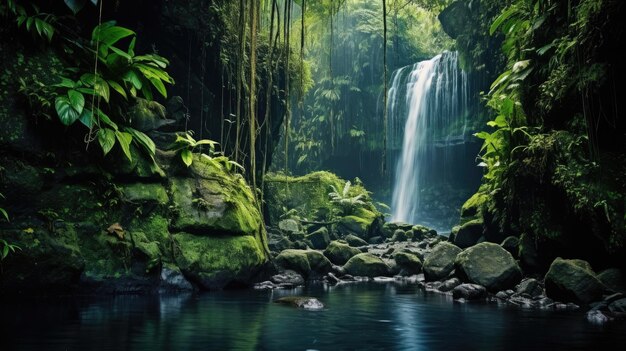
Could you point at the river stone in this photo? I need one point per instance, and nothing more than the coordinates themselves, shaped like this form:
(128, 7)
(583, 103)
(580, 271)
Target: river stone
(511, 245)
(618, 306)
(489, 265)
(449, 284)
(289, 226)
(305, 262)
(172, 279)
(409, 262)
(339, 252)
(401, 235)
(355, 241)
(440, 262)
(287, 277)
(366, 265)
(529, 286)
(319, 239)
(613, 279)
(307, 303)
(469, 292)
(469, 234)
(573, 280)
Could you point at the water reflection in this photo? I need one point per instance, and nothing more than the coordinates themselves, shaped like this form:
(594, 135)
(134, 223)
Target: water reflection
(358, 316)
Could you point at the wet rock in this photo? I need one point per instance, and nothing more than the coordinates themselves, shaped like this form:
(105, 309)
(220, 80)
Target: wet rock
(488, 264)
(288, 277)
(408, 262)
(289, 226)
(306, 262)
(340, 252)
(573, 280)
(172, 279)
(307, 303)
(598, 317)
(618, 306)
(332, 279)
(449, 284)
(502, 295)
(376, 240)
(366, 265)
(319, 239)
(355, 241)
(529, 286)
(613, 279)
(469, 234)
(401, 235)
(440, 262)
(469, 292)
(266, 285)
(389, 228)
(511, 245)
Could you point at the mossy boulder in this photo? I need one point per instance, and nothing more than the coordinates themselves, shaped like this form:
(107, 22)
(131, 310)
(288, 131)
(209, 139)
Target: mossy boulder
(289, 226)
(489, 265)
(473, 206)
(613, 279)
(439, 263)
(469, 233)
(215, 262)
(355, 241)
(319, 239)
(409, 262)
(153, 193)
(366, 265)
(573, 281)
(340, 252)
(401, 235)
(306, 262)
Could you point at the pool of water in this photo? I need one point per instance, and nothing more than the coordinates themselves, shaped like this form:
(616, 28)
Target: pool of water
(374, 316)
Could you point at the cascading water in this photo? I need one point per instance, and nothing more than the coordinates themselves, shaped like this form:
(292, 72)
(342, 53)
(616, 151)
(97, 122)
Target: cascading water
(428, 104)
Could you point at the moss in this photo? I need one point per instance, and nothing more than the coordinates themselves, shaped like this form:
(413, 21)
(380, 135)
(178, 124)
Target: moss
(213, 262)
(145, 192)
(296, 260)
(366, 265)
(339, 252)
(473, 206)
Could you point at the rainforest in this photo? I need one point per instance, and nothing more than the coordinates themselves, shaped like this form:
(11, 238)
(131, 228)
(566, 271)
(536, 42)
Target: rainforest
(312, 175)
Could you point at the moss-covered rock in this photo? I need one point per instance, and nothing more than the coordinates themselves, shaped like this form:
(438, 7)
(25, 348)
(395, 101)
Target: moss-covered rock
(319, 238)
(145, 193)
(573, 281)
(489, 265)
(439, 263)
(401, 235)
(215, 262)
(355, 241)
(409, 262)
(473, 206)
(469, 233)
(305, 262)
(340, 252)
(366, 265)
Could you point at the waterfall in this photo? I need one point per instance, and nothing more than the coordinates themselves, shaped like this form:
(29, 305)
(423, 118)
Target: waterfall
(428, 104)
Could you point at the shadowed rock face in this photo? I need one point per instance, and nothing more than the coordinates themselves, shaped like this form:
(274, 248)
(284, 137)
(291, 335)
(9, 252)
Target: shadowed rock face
(440, 262)
(489, 265)
(573, 280)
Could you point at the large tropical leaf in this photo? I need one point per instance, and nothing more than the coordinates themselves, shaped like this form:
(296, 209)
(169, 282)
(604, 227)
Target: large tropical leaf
(106, 139)
(67, 114)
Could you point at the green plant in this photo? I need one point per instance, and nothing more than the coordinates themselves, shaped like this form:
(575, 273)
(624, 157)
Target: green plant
(185, 145)
(5, 247)
(344, 201)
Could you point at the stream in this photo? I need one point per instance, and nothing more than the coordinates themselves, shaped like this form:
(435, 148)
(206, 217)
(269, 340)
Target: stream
(391, 316)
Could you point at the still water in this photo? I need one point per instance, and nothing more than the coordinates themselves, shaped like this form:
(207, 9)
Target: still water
(368, 316)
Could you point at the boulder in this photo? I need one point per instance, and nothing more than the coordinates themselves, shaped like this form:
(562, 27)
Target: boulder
(469, 234)
(489, 265)
(573, 280)
(529, 286)
(408, 262)
(613, 279)
(172, 279)
(473, 206)
(355, 241)
(289, 226)
(449, 284)
(401, 235)
(287, 277)
(307, 303)
(305, 262)
(339, 252)
(366, 265)
(319, 239)
(440, 262)
(469, 292)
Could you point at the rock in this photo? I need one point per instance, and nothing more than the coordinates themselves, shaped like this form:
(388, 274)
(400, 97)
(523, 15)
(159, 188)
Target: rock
(440, 262)
(332, 279)
(573, 280)
(529, 286)
(613, 279)
(449, 284)
(511, 245)
(401, 235)
(147, 115)
(307, 303)
(354, 225)
(139, 193)
(287, 277)
(597, 317)
(390, 227)
(305, 262)
(421, 232)
(618, 306)
(376, 240)
(172, 279)
(355, 241)
(289, 226)
(319, 238)
(488, 264)
(502, 295)
(473, 206)
(366, 265)
(469, 233)
(408, 262)
(214, 262)
(339, 252)
(266, 285)
(469, 292)
(453, 233)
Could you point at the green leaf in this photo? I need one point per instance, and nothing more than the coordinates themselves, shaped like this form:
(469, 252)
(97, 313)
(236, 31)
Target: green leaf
(144, 140)
(506, 109)
(75, 5)
(115, 85)
(106, 139)
(133, 78)
(187, 157)
(105, 119)
(121, 53)
(86, 118)
(125, 139)
(65, 83)
(5, 251)
(108, 34)
(4, 214)
(64, 109)
(500, 19)
(158, 84)
(77, 100)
